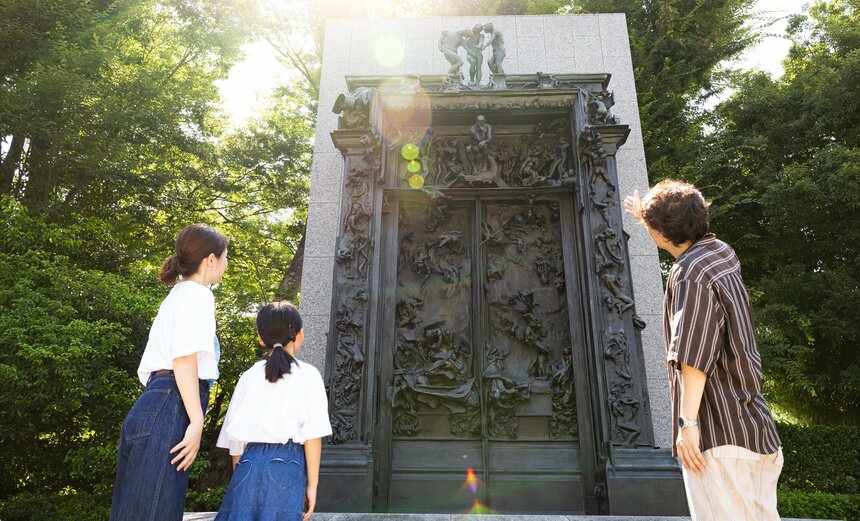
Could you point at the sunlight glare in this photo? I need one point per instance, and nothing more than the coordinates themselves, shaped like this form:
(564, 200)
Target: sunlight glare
(389, 50)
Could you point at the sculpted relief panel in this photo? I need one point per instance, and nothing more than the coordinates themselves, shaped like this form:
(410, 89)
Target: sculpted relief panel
(528, 373)
(482, 159)
(521, 377)
(434, 389)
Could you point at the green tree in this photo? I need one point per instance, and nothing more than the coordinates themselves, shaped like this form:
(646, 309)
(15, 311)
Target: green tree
(69, 338)
(678, 49)
(783, 168)
(112, 141)
(114, 109)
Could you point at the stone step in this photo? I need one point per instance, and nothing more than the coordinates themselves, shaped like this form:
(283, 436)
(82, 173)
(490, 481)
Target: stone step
(326, 516)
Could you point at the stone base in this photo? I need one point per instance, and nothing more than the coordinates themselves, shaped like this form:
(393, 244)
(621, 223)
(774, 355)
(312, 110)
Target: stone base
(645, 482)
(498, 81)
(322, 516)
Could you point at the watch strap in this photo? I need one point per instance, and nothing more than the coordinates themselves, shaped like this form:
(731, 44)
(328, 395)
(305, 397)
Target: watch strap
(684, 422)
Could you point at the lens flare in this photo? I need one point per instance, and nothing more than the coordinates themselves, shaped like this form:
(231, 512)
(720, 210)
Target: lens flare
(389, 50)
(479, 508)
(413, 166)
(472, 481)
(416, 181)
(407, 112)
(409, 151)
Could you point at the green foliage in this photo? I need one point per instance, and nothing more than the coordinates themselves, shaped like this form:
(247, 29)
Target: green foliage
(782, 167)
(677, 48)
(820, 458)
(818, 505)
(56, 507)
(69, 339)
(113, 141)
(208, 500)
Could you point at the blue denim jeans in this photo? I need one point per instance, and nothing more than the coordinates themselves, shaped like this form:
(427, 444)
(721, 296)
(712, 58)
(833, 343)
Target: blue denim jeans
(147, 486)
(268, 484)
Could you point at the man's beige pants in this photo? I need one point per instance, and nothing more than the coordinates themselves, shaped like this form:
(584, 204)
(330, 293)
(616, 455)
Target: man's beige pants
(737, 485)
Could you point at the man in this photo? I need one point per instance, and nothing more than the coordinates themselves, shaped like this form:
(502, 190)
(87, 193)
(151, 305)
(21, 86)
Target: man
(725, 436)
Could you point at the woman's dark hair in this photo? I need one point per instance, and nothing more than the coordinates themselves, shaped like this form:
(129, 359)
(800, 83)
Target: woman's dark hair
(676, 210)
(278, 323)
(194, 243)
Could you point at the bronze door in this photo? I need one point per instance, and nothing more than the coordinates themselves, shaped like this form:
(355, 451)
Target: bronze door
(480, 378)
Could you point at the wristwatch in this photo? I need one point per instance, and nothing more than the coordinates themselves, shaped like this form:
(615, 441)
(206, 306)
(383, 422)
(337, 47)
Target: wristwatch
(684, 422)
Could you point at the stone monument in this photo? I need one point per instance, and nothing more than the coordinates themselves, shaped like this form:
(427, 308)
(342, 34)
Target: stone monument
(488, 330)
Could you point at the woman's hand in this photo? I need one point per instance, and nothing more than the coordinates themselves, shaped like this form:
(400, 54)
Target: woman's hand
(185, 369)
(189, 446)
(310, 502)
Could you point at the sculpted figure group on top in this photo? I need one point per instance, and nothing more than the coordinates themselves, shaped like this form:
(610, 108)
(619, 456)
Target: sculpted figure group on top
(474, 41)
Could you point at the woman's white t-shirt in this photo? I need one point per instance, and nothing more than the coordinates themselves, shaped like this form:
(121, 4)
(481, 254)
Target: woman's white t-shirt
(293, 408)
(184, 325)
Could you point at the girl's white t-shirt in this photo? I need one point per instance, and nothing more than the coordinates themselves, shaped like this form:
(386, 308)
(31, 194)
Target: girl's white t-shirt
(184, 325)
(293, 408)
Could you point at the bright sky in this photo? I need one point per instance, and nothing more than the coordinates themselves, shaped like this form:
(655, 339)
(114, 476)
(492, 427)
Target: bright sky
(768, 55)
(253, 79)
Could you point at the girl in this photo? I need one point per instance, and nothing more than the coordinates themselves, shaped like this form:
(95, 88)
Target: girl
(274, 427)
(160, 437)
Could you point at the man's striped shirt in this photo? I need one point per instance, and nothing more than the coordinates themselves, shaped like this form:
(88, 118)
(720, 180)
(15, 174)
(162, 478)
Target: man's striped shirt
(708, 325)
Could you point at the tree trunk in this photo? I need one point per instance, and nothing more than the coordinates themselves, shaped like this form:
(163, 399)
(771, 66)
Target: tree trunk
(289, 288)
(10, 164)
(40, 175)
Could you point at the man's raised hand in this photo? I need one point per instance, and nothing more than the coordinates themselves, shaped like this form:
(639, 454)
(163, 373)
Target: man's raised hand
(633, 205)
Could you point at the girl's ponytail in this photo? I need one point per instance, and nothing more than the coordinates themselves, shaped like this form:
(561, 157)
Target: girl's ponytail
(278, 324)
(279, 363)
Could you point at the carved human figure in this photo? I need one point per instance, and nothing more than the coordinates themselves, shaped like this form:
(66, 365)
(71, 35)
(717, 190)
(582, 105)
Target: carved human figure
(609, 250)
(354, 239)
(528, 175)
(617, 351)
(481, 131)
(598, 108)
(449, 43)
(474, 54)
(614, 297)
(446, 367)
(425, 148)
(563, 420)
(624, 408)
(447, 161)
(479, 150)
(558, 169)
(529, 329)
(504, 395)
(409, 312)
(495, 40)
(354, 107)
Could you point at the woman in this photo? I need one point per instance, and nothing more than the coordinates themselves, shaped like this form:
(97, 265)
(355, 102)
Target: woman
(160, 437)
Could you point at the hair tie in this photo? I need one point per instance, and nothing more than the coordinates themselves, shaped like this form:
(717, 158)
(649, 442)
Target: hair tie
(274, 346)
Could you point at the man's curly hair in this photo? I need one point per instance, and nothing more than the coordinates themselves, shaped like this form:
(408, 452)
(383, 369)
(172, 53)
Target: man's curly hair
(676, 210)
